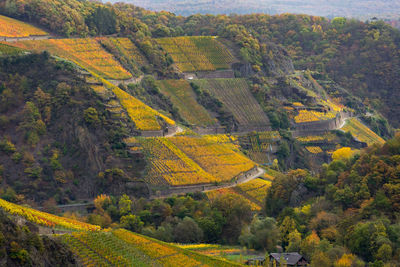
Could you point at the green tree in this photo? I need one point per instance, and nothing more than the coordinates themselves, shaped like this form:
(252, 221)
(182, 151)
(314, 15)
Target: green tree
(384, 253)
(236, 212)
(262, 233)
(287, 227)
(188, 231)
(103, 20)
(132, 223)
(124, 205)
(321, 259)
(294, 241)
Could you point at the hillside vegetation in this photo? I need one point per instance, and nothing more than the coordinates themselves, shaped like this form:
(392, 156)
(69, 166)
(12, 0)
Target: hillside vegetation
(347, 50)
(139, 106)
(349, 206)
(236, 97)
(56, 135)
(14, 28)
(361, 132)
(91, 246)
(21, 245)
(121, 247)
(253, 192)
(192, 160)
(46, 219)
(192, 54)
(87, 53)
(184, 99)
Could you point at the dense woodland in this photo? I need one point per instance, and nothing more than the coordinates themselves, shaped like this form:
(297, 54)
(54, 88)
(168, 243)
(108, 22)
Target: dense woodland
(60, 144)
(362, 57)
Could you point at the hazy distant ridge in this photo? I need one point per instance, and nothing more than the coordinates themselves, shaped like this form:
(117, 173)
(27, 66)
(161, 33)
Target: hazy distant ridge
(361, 8)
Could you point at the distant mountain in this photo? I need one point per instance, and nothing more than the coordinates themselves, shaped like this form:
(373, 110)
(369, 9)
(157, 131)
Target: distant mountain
(345, 8)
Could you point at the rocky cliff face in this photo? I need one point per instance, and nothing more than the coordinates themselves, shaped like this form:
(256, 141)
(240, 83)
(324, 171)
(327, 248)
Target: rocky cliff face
(277, 61)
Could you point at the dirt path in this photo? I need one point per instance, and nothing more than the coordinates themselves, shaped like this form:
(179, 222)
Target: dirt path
(178, 130)
(343, 123)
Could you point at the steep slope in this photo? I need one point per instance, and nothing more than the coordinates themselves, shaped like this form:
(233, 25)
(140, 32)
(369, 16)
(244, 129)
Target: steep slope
(87, 53)
(56, 135)
(184, 99)
(253, 192)
(352, 204)
(235, 95)
(13, 28)
(185, 160)
(21, 245)
(361, 132)
(91, 246)
(200, 53)
(124, 248)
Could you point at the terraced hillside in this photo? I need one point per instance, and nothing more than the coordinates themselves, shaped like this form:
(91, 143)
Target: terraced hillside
(46, 219)
(183, 97)
(253, 192)
(14, 28)
(191, 160)
(85, 52)
(259, 145)
(96, 247)
(217, 159)
(125, 47)
(201, 53)
(236, 96)
(362, 132)
(7, 50)
(143, 116)
(124, 248)
(126, 52)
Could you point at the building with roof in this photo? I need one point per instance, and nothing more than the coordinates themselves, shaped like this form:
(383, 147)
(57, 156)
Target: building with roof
(290, 259)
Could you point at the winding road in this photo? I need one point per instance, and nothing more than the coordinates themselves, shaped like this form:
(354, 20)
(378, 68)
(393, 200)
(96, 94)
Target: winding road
(254, 176)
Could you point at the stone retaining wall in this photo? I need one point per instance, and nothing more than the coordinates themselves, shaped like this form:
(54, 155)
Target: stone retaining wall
(32, 37)
(151, 133)
(205, 187)
(215, 74)
(209, 130)
(241, 129)
(134, 80)
(168, 131)
(247, 129)
(320, 127)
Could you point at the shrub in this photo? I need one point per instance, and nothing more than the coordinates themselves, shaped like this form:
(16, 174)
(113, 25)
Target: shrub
(7, 146)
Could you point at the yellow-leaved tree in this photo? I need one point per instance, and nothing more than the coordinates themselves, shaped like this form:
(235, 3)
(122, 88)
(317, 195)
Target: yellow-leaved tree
(343, 153)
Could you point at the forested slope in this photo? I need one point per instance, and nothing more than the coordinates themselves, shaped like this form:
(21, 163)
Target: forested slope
(362, 57)
(351, 205)
(123, 106)
(56, 135)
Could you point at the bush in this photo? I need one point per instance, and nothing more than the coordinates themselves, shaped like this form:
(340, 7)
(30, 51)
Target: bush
(7, 146)
(91, 116)
(132, 222)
